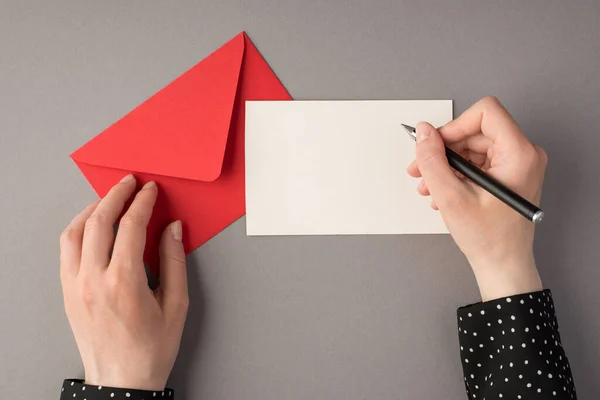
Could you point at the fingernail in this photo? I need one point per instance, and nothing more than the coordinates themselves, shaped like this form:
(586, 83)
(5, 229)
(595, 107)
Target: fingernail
(176, 230)
(127, 178)
(422, 132)
(149, 185)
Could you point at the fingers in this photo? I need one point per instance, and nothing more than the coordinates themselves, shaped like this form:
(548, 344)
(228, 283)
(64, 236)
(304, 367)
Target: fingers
(173, 275)
(481, 160)
(441, 181)
(477, 158)
(422, 189)
(413, 170)
(99, 228)
(475, 148)
(131, 236)
(71, 242)
(479, 143)
(434, 206)
(487, 116)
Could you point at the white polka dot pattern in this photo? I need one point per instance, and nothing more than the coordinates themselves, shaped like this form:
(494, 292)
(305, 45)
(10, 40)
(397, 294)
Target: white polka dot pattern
(520, 332)
(75, 388)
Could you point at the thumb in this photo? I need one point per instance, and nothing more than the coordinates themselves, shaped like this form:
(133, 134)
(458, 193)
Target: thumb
(433, 165)
(173, 274)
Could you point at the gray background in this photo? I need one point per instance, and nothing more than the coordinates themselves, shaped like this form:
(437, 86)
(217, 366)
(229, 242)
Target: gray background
(297, 317)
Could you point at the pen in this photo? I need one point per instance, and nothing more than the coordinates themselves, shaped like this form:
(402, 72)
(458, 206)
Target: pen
(475, 174)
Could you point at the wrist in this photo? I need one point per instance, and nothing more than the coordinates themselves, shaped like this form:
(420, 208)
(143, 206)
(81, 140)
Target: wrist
(507, 278)
(125, 381)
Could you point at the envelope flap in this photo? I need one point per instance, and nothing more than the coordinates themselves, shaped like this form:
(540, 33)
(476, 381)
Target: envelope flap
(182, 130)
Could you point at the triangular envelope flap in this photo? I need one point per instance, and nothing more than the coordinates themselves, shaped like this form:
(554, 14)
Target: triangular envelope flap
(182, 130)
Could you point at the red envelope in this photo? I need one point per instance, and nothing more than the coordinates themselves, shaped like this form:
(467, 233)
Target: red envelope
(189, 138)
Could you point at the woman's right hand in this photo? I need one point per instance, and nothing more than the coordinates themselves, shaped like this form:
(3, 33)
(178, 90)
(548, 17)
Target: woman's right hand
(497, 241)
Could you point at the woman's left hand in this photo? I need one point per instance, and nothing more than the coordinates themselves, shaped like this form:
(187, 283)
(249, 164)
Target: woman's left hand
(128, 336)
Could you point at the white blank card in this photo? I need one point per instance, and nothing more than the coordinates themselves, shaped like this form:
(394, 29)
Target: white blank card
(336, 167)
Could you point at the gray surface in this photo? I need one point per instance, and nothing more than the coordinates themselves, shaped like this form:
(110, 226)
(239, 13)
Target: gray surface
(302, 317)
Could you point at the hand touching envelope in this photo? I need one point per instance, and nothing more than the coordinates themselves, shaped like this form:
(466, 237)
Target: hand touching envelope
(189, 138)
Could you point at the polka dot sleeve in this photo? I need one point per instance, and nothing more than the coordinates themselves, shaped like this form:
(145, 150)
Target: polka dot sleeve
(511, 349)
(74, 389)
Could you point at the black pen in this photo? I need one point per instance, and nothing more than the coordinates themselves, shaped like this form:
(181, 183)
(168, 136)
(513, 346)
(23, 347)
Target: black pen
(475, 174)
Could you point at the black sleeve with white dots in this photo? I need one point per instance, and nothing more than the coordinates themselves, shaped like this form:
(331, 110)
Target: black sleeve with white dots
(75, 389)
(511, 349)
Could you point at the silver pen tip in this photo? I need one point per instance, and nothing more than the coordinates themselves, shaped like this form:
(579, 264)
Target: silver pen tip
(410, 130)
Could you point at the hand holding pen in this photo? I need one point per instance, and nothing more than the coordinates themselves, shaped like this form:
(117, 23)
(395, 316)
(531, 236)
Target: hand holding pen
(489, 183)
(497, 241)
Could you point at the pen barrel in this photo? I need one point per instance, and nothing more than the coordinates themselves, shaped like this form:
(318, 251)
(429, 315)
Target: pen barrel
(497, 189)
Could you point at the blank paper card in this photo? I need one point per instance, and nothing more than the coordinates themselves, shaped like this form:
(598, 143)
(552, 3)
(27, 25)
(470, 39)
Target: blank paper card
(336, 167)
